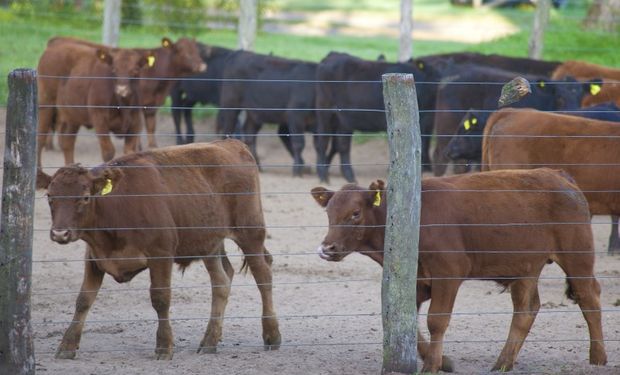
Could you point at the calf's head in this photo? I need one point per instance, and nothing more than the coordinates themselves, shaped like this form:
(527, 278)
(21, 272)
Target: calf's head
(71, 196)
(356, 220)
(185, 56)
(125, 66)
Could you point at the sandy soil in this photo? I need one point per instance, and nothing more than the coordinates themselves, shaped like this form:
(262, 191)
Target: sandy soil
(329, 312)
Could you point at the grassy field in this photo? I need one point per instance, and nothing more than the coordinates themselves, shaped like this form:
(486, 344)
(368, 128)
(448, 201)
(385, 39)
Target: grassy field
(24, 38)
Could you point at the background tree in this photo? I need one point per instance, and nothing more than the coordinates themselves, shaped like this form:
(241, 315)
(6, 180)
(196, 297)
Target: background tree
(604, 14)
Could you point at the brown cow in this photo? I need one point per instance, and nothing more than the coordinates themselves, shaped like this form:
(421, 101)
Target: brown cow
(171, 60)
(526, 138)
(467, 232)
(76, 101)
(147, 209)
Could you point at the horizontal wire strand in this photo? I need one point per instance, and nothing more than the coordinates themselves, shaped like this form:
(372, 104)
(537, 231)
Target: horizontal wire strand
(316, 316)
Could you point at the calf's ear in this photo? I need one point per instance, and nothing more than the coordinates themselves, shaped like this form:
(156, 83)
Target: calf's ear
(376, 193)
(43, 180)
(104, 56)
(104, 180)
(321, 195)
(594, 86)
(166, 42)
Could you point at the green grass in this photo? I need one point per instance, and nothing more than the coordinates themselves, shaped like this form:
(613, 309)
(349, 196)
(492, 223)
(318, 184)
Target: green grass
(23, 39)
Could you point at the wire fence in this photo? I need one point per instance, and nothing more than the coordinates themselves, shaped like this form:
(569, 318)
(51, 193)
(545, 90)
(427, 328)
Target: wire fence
(50, 292)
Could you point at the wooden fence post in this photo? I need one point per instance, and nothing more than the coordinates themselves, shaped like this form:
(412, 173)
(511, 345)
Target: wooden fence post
(541, 18)
(16, 224)
(246, 32)
(111, 22)
(406, 28)
(402, 232)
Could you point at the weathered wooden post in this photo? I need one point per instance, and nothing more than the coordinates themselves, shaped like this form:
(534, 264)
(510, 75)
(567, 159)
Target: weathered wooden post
(111, 22)
(16, 228)
(406, 28)
(246, 31)
(400, 264)
(541, 18)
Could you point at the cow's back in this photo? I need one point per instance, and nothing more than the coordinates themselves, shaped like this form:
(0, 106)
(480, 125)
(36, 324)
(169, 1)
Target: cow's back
(585, 148)
(583, 71)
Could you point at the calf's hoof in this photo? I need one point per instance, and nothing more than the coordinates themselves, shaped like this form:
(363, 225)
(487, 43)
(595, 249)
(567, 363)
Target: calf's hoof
(63, 353)
(502, 367)
(272, 342)
(446, 364)
(598, 359)
(208, 345)
(164, 353)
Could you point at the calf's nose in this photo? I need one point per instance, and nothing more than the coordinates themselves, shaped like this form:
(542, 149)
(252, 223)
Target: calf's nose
(122, 90)
(202, 67)
(60, 235)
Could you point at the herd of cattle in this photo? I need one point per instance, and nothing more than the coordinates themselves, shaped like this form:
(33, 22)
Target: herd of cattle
(528, 218)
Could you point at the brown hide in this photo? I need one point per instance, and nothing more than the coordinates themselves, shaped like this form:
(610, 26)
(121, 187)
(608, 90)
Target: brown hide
(525, 138)
(82, 101)
(584, 71)
(162, 207)
(506, 236)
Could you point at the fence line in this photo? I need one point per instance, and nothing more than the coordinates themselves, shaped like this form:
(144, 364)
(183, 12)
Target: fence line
(304, 283)
(316, 316)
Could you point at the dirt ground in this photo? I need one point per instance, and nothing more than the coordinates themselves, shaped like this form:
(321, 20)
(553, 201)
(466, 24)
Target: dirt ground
(330, 313)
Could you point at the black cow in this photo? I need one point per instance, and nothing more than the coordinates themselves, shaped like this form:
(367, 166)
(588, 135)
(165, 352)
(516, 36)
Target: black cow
(273, 90)
(467, 143)
(205, 89)
(480, 87)
(522, 65)
(346, 106)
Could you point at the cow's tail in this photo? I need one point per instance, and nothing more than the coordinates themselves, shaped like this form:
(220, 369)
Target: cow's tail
(570, 293)
(245, 265)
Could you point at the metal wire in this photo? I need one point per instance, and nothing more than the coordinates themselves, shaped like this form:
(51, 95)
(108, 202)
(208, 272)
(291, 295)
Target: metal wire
(45, 292)
(316, 316)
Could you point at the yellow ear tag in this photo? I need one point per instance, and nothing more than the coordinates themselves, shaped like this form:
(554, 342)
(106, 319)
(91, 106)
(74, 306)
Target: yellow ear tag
(466, 125)
(150, 61)
(594, 88)
(541, 84)
(165, 43)
(107, 189)
(377, 201)
(474, 121)
(421, 65)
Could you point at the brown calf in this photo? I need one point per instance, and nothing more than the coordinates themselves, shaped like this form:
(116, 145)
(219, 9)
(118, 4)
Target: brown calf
(70, 98)
(469, 232)
(587, 149)
(171, 60)
(147, 209)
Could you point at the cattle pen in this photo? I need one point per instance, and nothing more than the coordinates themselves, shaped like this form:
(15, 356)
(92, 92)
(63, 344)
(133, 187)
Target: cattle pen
(348, 317)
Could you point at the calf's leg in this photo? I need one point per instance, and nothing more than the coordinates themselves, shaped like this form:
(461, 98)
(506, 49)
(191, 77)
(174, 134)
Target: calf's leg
(150, 120)
(66, 139)
(423, 345)
(93, 277)
(160, 272)
(443, 294)
(257, 258)
(526, 304)
(221, 278)
(586, 291)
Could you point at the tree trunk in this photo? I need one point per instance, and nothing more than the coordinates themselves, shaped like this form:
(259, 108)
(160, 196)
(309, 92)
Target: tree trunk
(604, 14)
